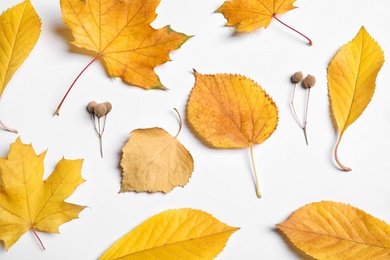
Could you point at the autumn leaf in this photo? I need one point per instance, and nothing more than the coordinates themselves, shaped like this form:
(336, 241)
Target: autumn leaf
(20, 28)
(351, 81)
(249, 15)
(154, 161)
(120, 33)
(173, 234)
(332, 230)
(27, 202)
(231, 111)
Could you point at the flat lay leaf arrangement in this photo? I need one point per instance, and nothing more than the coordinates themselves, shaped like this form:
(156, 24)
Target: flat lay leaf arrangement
(224, 111)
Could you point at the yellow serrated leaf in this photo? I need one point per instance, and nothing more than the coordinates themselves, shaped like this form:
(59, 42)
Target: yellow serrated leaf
(20, 28)
(173, 234)
(231, 111)
(331, 230)
(351, 80)
(27, 202)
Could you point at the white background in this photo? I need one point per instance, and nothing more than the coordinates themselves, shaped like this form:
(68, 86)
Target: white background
(291, 174)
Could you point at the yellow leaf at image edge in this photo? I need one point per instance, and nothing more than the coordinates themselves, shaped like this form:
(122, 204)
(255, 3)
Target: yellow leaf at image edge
(333, 230)
(20, 28)
(352, 79)
(173, 234)
(27, 202)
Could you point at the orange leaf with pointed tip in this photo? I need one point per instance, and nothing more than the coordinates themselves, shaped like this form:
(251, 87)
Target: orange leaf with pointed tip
(231, 111)
(332, 230)
(27, 202)
(121, 34)
(351, 81)
(173, 234)
(249, 15)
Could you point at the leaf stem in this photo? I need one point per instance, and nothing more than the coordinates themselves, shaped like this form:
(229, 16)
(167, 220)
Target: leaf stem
(180, 123)
(310, 43)
(8, 128)
(57, 112)
(345, 168)
(39, 240)
(254, 172)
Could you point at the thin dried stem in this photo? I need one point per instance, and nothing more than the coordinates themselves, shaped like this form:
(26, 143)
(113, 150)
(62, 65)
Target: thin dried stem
(39, 240)
(310, 43)
(292, 106)
(180, 122)
(8, 128)
(306, 112)
(254, 172)
(345, 168)
(57, 112)
(100, 138)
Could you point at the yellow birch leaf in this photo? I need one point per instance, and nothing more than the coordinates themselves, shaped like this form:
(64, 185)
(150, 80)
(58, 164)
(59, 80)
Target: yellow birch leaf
(27, 202)
(351, 81)
(20, 28)
(231, 111)
(155, 161)
(332, 230)
(249, 15)
(173, 234)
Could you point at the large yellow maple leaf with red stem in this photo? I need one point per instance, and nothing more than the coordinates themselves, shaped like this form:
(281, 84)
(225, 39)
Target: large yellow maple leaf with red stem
(249, 15)
(119, 31)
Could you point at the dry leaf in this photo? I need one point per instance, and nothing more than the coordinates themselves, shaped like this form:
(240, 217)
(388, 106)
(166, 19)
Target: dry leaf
(351, 81)
(331, 230)
(249, 15)
(155, 161)
(231, 111)
(120, 33)
(20, 28)
(27, 202)
(173, 234)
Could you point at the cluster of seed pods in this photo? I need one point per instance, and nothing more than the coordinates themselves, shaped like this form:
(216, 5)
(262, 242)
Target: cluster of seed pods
(99, 111)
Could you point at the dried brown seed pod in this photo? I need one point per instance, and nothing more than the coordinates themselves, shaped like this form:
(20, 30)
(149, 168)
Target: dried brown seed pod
(297, 77)
(100, 110)
(91, 106)
(108, 106)
(309, 81)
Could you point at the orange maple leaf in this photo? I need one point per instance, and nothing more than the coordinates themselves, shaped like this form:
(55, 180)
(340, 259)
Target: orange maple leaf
(249, 15)
(27, 202)
(120, 33)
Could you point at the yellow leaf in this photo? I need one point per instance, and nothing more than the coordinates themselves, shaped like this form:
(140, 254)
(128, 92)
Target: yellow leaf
(120, 32)
(173, 234)
(154, 161)
(20, 27)
(331, 230)
(231, 111)
(351, 80)
(249, 15)
(27, 202)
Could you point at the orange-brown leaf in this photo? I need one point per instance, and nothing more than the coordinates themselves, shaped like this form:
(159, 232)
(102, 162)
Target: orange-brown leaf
(120, 32)
(331, 230)
(249, 15)
(27, 202)
(154, 161)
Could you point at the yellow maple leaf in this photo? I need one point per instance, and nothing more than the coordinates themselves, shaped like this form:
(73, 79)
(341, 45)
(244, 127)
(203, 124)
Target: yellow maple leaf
(20, 28)
(154, 161)
(120, 33)
(27, 202)
(331, 230)
(173, 234)
(231, 111)
(249, 15)
(351, 81)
